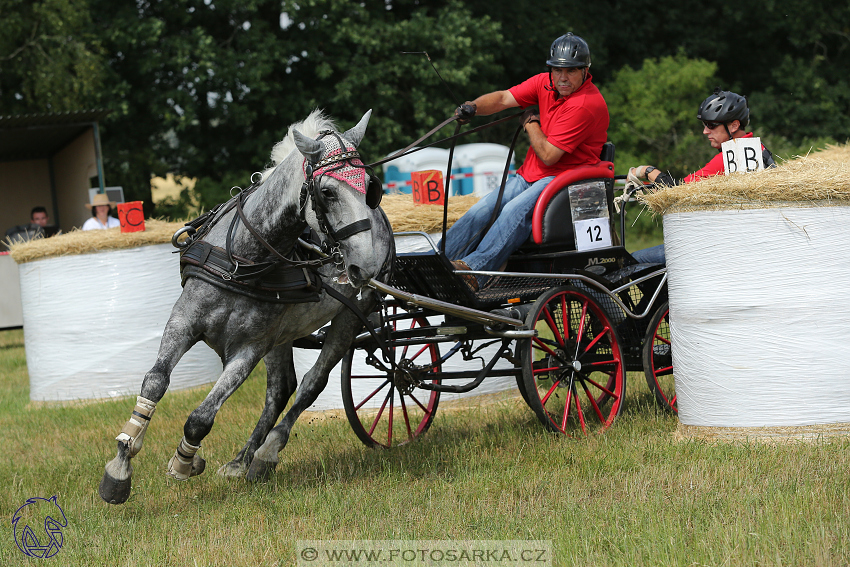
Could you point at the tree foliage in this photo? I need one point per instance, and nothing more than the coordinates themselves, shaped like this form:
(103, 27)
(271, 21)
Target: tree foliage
(204, 88)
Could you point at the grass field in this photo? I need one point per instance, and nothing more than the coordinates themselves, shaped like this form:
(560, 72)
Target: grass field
(629, 497)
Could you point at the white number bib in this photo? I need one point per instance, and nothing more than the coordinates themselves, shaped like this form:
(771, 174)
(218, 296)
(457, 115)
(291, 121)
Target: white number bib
(592, 234)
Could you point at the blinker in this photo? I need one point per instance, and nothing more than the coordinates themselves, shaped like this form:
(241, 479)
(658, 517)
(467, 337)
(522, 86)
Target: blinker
(374, 192)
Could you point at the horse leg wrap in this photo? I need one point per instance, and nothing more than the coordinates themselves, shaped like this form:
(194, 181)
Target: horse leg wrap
(133, 432)
(185, 462)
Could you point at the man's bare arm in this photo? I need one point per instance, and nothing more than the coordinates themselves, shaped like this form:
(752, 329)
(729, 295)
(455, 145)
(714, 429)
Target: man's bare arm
(494, 102)
(547, 153)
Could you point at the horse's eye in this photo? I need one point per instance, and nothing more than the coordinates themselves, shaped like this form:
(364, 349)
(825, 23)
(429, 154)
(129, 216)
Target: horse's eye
(328, 194)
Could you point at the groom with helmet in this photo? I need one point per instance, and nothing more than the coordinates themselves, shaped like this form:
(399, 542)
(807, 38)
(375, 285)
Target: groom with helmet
(721, 108)
(568, 130)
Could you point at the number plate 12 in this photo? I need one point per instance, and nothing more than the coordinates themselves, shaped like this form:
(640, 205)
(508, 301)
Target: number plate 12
(592, 234)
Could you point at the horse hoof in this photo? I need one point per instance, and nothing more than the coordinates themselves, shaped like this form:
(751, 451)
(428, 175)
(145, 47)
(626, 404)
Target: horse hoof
(233, 469)
(114, 491)
(199, 465)
(260, 470)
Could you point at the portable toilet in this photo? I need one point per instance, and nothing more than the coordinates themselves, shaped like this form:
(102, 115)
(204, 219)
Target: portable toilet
(479, 167)
(397, 172)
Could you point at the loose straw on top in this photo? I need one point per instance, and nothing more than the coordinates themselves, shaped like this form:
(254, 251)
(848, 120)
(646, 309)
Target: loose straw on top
(819, 179)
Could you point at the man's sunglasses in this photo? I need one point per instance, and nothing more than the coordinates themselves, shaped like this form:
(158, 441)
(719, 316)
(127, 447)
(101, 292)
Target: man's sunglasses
(711, 125)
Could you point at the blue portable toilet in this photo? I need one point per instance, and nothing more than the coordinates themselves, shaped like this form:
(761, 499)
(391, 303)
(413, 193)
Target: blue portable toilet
(397, 172)
(486, 163)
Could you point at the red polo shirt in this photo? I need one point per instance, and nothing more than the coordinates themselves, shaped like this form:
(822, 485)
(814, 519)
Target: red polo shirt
(577, 124)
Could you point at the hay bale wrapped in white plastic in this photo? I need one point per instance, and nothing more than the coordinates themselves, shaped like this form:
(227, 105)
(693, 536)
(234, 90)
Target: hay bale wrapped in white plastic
(758, 268)
(93, 322)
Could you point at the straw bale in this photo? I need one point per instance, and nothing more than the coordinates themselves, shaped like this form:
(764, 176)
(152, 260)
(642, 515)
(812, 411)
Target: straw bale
(90, 241)
(818, 179)
(403, 216)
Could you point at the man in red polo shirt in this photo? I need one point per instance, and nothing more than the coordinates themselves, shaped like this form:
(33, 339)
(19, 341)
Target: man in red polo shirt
(569, 130)
(721, 108)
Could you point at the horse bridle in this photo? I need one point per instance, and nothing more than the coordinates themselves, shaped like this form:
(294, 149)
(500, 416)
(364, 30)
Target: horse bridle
(309, 189)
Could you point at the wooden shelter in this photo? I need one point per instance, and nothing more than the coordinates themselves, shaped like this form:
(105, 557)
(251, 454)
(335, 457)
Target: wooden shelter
(49, 160)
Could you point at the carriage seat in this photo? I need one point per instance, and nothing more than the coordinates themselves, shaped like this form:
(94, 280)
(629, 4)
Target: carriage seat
(553, 216)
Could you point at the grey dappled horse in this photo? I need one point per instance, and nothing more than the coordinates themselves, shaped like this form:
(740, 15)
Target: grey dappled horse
(242, 330)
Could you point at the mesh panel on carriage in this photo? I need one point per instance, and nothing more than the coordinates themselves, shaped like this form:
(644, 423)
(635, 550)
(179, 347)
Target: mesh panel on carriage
(430, 274)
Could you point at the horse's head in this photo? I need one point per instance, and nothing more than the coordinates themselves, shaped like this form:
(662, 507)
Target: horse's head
(338, 196)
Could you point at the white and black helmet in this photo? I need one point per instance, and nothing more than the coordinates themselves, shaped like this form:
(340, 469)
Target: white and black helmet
(569, 51)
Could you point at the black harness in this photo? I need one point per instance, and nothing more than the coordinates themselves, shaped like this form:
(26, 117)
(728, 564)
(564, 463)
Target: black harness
(291, 277)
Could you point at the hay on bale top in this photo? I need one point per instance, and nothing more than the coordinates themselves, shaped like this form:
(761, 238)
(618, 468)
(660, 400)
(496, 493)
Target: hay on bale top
(90, 241)
(403, 215)
(818, 179)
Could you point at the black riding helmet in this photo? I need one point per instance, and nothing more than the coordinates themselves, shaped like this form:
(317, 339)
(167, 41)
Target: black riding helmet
(569, 51)
(724, 106)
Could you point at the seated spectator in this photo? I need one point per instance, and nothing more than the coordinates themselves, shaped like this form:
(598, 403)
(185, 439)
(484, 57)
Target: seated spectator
(39, 216)
(100, 207)
(37, 227)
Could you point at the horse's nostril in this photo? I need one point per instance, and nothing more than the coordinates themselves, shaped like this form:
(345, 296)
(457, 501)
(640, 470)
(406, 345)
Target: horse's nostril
(355, 275)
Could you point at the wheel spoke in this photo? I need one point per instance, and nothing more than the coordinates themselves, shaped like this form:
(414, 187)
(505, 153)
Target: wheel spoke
(370, 396)
(544, 347)
(545, 398)
(545, 370)
(420, 351)
(604, 389)
(406, 417)
(553, 326)
(390, 420)
(380, 412)
(604, 332)
(580, 413)
(592, 402)
(566, 415)
(580, 330)
(662, 339)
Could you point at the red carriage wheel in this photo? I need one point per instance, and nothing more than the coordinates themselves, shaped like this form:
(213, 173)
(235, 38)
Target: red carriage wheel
(384, 408)
(573, 369)
(658, 359)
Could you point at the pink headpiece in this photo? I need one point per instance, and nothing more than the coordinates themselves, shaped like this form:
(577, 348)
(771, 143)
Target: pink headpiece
(351, 171)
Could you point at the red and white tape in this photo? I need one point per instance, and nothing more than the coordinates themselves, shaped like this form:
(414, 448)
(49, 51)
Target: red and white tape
(409, 182)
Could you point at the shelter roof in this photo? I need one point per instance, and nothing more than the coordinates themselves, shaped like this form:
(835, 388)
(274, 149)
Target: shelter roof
(38, 136)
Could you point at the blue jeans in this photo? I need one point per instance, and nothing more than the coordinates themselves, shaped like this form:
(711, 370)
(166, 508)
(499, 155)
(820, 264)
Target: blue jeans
(652, 255)
(510, 230)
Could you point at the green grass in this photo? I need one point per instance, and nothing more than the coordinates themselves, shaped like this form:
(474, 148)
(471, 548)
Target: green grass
(632, 496)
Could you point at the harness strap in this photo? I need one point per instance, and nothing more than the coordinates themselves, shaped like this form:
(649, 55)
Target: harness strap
(350, 230)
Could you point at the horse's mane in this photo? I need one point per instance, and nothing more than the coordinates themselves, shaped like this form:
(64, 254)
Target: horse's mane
(310, 127)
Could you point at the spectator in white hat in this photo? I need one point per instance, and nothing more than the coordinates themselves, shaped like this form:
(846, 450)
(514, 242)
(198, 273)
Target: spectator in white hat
(100, 207)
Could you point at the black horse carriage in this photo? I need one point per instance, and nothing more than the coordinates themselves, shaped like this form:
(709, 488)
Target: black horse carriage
(569, 316)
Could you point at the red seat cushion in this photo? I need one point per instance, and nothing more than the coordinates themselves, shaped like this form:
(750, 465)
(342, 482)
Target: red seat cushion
(602, 170)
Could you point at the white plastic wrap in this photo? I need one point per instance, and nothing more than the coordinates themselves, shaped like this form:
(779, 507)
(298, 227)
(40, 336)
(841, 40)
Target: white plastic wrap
(759, 316)
(93, 323)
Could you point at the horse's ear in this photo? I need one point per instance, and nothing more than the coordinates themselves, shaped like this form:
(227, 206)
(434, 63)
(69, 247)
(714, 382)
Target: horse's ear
(309, 148)
(355, 135)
